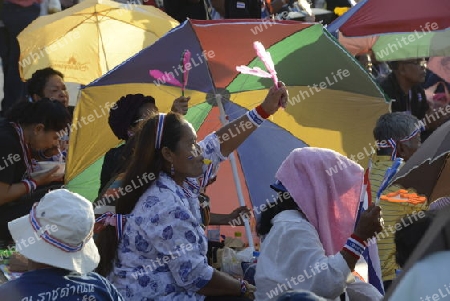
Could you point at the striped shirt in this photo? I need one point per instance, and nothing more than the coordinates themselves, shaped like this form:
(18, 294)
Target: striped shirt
(391, 212)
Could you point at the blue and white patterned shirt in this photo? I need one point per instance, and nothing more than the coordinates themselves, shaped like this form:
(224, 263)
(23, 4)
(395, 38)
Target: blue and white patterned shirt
(162, 253)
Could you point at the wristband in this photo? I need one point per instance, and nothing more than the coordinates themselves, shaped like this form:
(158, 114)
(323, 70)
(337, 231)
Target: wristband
(254, 117)
(30, 185)
(244, 288)
(354, 247)
(359, 239)
(259, 109)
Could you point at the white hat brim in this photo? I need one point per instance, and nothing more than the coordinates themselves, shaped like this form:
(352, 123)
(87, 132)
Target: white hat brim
(30, 245)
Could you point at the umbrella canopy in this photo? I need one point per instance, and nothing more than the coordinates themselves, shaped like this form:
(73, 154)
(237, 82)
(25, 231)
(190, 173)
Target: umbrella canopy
(393, 31)
(428, 170)
(333, 102)
(89, 39)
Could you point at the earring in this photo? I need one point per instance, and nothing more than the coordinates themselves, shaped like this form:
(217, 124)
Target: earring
(172, 170)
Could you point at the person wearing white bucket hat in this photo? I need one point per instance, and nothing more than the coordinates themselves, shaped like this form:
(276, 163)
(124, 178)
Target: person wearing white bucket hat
(56, 237)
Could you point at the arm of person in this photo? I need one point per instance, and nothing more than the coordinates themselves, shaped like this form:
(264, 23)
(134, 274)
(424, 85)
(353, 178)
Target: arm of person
(11, 192)
(181, 105)
(230, 138)
(234, 218)
(181, 239)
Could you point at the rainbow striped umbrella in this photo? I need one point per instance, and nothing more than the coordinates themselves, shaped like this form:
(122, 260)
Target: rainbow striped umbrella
(333, 102)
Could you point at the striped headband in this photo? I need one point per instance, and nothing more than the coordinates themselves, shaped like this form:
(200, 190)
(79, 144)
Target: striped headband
(159, 130)
(115, 220)
(390, 143)
(52, 240)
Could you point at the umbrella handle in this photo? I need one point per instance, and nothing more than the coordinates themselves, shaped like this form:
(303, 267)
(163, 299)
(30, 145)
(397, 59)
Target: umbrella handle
(237, 181)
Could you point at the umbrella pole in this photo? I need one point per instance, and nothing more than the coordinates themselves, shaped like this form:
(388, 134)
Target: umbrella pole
(237, 181)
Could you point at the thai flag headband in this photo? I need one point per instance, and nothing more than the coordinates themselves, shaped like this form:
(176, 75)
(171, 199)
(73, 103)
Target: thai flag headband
(390, 143)
(159, 130)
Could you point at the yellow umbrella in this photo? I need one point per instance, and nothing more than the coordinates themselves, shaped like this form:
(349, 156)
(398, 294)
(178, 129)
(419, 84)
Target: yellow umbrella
(91, 38)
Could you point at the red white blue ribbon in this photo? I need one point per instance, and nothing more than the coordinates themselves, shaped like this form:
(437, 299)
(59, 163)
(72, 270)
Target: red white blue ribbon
(159, 130)
(52, 240)
(115, 220)
(390, 143)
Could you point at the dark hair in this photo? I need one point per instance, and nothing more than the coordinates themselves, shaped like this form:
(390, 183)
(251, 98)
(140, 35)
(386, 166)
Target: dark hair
(39, 79)
(126, 112)
(284, 202)
(144, 160)
(408, 237)
(51, 113)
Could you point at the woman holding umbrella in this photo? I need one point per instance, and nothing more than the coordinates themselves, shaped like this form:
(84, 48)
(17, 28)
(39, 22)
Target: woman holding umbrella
(159, 251)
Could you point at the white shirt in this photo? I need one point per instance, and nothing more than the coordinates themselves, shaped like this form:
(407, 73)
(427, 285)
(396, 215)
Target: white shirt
(292, 257)
(429, 279)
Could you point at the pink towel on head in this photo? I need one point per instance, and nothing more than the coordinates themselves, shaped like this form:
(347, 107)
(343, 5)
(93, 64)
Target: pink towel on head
(327, 187)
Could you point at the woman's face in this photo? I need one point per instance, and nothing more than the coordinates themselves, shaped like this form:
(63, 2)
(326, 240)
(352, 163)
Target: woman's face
(55, 89)
(43, 139)
(187, 160)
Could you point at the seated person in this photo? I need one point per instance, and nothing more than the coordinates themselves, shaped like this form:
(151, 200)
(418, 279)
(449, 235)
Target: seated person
(61, 259)
(403, 87)
(397, 136)
(409, 236)
(49, 83)
(309, 237)
(129, 111)
(427, 279)
(28, 126)
(155, 248)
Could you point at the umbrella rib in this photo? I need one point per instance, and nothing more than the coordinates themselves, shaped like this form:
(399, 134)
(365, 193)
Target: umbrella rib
(97, 23)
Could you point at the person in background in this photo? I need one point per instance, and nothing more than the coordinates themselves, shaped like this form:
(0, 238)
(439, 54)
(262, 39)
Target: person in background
(16, 15)
(397, 136)
(180, 10)
(162, 216)
(215, 219)
(61, 260)
(124, 119)
(28, 126)
(310, 239)
(409, 236)
(403, 87)
(49, 83)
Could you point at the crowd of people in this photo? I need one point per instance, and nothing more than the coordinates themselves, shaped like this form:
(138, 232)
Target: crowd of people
(151, 243)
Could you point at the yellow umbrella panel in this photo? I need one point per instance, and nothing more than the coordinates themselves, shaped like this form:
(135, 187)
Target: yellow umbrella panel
(89, 39)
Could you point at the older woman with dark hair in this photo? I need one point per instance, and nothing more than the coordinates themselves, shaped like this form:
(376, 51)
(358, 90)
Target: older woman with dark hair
(48, 83)
(158, 252)
(310, 240)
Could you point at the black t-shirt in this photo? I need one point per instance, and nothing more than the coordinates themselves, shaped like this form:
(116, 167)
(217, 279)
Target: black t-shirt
(12, 165)
(415, 101)
(182, 9)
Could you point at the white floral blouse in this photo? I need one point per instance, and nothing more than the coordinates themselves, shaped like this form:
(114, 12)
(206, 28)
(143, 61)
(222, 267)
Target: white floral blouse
(162, 252)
